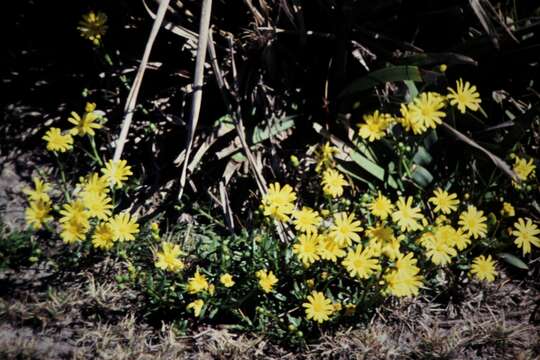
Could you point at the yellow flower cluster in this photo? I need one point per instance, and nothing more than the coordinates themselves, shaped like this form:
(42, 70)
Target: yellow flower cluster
(91, 208)
(442, 226)
(62, 141)
(425, 112)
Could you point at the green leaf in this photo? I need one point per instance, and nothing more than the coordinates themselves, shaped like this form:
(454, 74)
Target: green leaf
(422, 157)
(378, 77)
(447, 58)
(513, 260)
(422, 176)
(277, 126)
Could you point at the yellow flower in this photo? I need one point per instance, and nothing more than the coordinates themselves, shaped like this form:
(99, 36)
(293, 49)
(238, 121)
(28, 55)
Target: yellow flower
(196, 306)
(329, 249)
(267, 280)
(87, 123)
(404, 279)
(460, 239)
(381, 206)
(374, 126)
(409, 121)
(103, 237)
(526, 234)
(39, 192)
(74, 210)
(465, 96)
(333, 183)
(227, 280)
(306, 220)
(484, 268)
(325, 156)
(117, 172)
(407, 216)
(361, 263)
(98, 205)
(168, 258)
(197, 283)
(523, 168)
(444, 202)
(383, 241)
(474, 222)
(318, 307)
(37, 213)
(56, 141)
(93, 26)
(345, 229)
(95, 184)
(279, 201)
(426, 109)
(508, 210)
(307, 248)
(439, 250)
(124, 227)
(74, 229)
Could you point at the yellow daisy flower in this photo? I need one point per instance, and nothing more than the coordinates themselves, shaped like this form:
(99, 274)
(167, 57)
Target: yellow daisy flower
(444, 202)
(318, 307)
(381, 206)
(409, 121)
(168, 258)
(325, 156)
(307, 248)
(37, 213)
(93, 26)
(74, 210)
(117, 172)
(526, 234)
(508, 210)
(267, 280)
(407, 216)
(74, 230)
(523, 168)
(426, 109)
(227, 280)
(124, 227)
(196, 306)
(103, 237)
(484, 268)
(333, 183)
(329, 249)
(58, 142)
(345, 229)
(197, 283)
(279, 201)
(39, 192)
(86, 124)
(404, 279)
(473, 222)
(306, 220)
(95, 184)
(465, 96)
(361, 263)
(98, 205)
(374, 126)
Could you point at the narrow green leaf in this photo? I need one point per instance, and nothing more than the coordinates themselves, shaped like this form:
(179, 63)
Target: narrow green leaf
(378, 77)
(261, 134)
(513, 260)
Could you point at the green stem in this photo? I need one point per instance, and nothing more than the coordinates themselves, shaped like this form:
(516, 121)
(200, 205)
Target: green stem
(63, 177)
(95, 152)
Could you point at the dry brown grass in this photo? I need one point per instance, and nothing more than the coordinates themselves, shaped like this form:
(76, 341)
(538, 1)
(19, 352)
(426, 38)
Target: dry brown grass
(95, 318)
